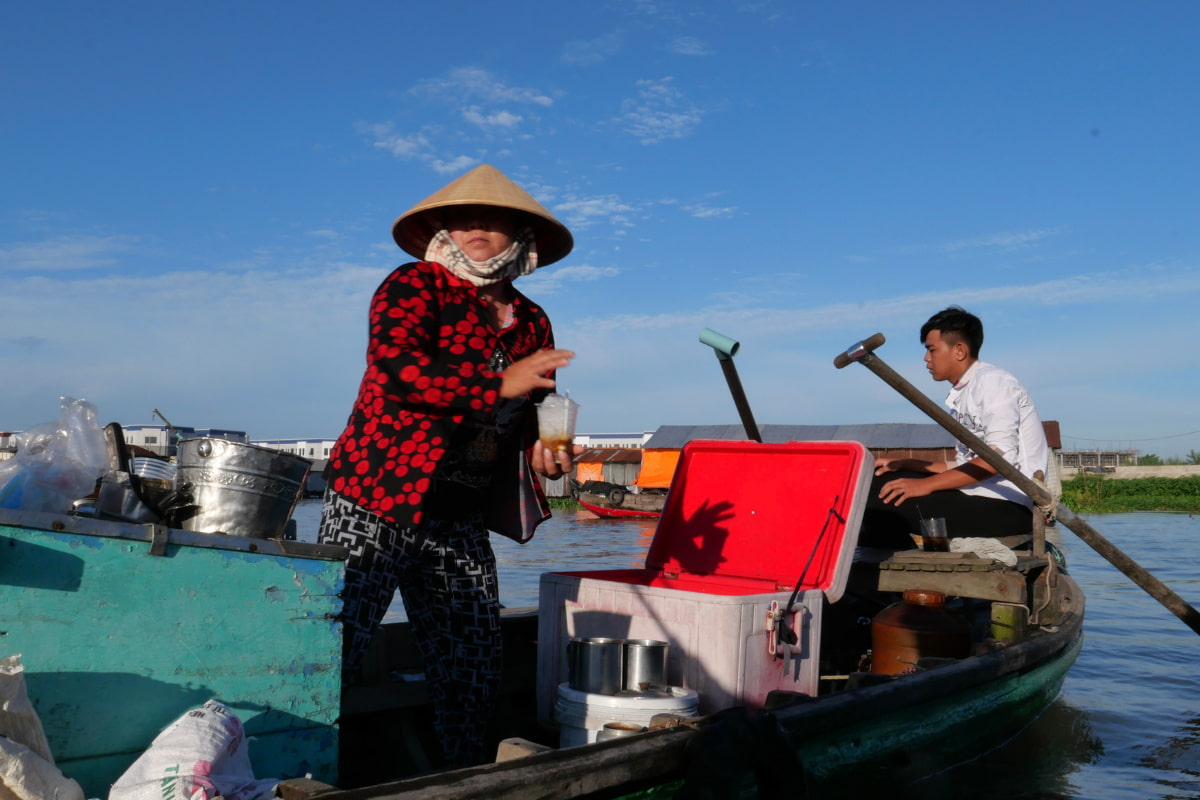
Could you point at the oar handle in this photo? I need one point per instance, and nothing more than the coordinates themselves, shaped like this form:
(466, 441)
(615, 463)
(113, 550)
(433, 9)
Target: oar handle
(1132, 570)
(859, 350)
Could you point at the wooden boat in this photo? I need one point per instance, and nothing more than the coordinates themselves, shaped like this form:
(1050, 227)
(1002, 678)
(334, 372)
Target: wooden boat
(851, 740)
(271, 652)
(863, 731)
(593, 504)
(857, 730)
(610, 500)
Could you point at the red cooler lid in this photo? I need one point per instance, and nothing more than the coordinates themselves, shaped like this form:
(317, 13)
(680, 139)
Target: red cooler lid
(765, 512)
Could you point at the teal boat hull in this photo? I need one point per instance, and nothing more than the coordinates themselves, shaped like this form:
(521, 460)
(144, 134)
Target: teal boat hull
(123, 628)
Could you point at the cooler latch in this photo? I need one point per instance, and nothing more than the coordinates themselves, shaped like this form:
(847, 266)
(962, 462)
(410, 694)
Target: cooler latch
(781, 639)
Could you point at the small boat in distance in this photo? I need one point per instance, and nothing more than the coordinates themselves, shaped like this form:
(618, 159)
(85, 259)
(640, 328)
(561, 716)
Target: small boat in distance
(610, 512)
(609, 500)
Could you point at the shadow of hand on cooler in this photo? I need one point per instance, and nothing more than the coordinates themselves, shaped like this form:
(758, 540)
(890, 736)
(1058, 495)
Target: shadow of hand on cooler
(701, 552)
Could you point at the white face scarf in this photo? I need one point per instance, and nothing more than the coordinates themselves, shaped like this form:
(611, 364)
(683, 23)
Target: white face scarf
(519, 259)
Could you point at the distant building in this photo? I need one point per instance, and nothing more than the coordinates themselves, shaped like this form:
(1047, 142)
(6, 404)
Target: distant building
(1097, 459)
(164, 441)
(158, 439)
(604, 440)
(220, 433)
(315, 449)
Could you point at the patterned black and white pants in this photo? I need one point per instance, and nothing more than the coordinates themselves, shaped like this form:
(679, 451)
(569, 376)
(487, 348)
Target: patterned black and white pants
(446, 575)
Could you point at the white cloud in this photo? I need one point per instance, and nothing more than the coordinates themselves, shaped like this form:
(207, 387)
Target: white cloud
(581, 212)
(478, 97)
(259, 333)
(585, 53)
(383, 136)
(67, 253)
(689, 46)
(555, 279)
(788, 347)
(457, 164)
(659, 112)
(472, 83)
(498, 119)
(1002, 241)
(702, 211)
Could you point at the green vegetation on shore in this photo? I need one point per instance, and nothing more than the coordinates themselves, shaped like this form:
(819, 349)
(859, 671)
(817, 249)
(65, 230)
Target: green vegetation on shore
(1088, 493)
(1098, 494)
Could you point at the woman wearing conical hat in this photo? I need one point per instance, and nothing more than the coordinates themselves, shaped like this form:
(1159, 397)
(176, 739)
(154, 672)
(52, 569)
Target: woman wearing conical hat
(442, 439)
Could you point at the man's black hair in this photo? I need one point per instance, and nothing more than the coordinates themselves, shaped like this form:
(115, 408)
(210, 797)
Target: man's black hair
(956, 325)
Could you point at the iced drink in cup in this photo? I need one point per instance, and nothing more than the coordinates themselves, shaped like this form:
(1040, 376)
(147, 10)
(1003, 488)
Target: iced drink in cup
(934, 535)
(556, 422)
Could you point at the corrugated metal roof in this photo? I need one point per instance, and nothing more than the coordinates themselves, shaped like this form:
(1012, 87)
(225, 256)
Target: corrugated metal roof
(611, 455)
(889, 435)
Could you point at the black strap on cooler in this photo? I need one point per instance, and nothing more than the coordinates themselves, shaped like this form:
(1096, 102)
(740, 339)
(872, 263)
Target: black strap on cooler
(783, 633)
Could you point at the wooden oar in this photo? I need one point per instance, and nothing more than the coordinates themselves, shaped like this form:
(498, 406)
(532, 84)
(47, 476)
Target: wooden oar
(725, 349)
(864, 353)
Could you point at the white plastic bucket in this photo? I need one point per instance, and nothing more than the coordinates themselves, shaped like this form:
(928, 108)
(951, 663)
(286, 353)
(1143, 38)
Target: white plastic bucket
(582, 715)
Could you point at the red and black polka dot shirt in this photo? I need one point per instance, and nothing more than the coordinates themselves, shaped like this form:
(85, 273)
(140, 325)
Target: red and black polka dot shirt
(427, 367)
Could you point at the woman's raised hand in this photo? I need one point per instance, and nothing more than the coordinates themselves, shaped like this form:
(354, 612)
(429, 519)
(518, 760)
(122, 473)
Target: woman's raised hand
(522, 377)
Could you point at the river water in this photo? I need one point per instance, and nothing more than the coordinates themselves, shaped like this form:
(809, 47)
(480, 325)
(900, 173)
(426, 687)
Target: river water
(1127, 725)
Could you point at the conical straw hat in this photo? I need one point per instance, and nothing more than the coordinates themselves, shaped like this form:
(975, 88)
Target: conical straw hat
(483, 186)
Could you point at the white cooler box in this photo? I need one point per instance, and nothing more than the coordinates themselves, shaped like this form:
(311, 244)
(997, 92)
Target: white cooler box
(744, 525)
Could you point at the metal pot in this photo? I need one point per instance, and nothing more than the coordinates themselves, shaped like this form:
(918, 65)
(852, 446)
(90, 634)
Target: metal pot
(645, 665)
(238, 489)
(594, 665)
(618, 730)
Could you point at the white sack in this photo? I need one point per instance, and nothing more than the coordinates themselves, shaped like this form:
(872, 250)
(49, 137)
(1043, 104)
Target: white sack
(200, 756)
(24, 775)
(18, 721)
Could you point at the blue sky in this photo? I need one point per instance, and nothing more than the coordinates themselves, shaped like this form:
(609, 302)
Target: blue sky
(198, 200)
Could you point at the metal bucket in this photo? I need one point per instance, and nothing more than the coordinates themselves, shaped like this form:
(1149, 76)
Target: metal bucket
(238, 489)
(594, 665)
(645, 665)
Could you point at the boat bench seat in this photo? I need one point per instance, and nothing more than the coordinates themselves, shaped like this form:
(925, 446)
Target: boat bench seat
(959, 574)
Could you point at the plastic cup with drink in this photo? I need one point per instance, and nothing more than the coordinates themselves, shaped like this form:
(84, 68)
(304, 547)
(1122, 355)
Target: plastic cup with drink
(556, 422)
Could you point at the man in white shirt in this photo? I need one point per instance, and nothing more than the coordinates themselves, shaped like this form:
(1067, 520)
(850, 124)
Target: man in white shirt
(972, 498)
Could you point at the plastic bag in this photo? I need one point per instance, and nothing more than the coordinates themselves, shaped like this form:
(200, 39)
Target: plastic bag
(56, 462)
(200, 756)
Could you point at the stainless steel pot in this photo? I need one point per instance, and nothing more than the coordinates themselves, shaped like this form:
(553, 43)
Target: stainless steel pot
(594, 665)
(238, 489)
(645, 665)
(618, 730)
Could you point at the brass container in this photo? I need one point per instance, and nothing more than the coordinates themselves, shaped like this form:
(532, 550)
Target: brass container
(919, 626)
